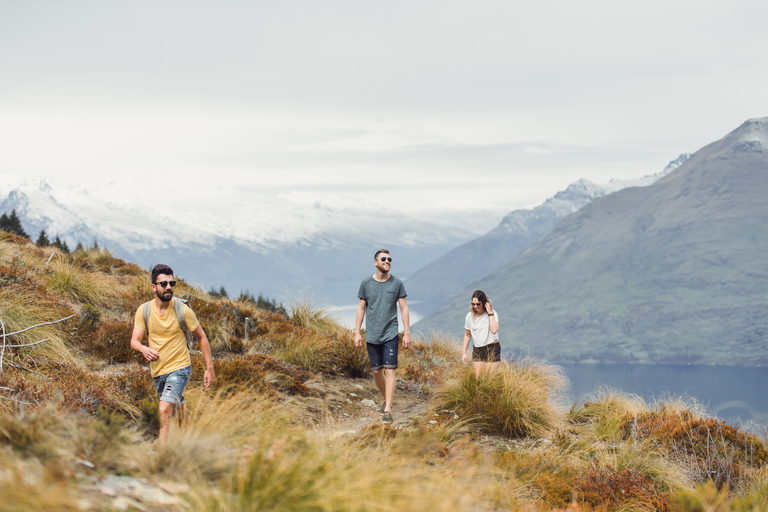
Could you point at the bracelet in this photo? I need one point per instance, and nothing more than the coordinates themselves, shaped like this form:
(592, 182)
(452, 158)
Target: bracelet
(491, 314)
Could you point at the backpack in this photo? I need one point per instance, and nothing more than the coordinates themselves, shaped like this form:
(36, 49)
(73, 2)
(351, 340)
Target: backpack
(178, 305)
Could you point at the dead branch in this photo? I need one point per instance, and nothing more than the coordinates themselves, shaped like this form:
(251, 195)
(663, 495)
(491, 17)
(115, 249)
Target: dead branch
(6, 335)
(38, 325)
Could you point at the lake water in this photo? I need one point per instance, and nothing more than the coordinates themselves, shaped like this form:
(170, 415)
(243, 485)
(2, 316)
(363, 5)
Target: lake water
(738, 395)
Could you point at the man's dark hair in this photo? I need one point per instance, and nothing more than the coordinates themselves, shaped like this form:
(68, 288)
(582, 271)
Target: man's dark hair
(376, 256)
(161, 269)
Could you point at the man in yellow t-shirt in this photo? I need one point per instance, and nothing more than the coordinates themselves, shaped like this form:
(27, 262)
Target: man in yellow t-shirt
(167, 352)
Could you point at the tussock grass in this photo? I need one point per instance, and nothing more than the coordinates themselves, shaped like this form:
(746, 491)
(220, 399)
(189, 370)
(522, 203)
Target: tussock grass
(304, 311)
(74, 282)
(286, 470)
(517, 400)
(20, 309)
(323, 351)
(603, 413)
(60, 441)
(27, 486)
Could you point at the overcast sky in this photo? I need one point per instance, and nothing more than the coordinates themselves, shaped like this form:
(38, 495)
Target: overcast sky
(393, 101)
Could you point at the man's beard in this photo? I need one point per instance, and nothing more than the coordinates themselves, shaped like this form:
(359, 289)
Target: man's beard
(161, 297)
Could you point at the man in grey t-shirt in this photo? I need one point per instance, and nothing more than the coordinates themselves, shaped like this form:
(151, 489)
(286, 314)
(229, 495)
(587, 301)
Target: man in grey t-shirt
(379, 296)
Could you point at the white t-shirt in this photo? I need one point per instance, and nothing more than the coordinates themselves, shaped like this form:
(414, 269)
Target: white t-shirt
(480, 329)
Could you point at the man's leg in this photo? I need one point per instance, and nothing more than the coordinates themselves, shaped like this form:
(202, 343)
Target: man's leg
(391, 383)
(380, 380)
(170, 387)
(166, 413)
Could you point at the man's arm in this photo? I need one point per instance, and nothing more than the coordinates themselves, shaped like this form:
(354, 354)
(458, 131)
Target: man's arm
(149, 354)
(359, 322)
(205, 348)
(406, 322)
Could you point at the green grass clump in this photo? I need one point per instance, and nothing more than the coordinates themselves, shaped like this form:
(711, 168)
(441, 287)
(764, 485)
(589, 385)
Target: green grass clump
(517, 400)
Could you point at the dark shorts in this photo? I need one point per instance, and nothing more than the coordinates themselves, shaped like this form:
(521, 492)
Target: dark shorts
(170, 387)
(383, 355)
(487, 354)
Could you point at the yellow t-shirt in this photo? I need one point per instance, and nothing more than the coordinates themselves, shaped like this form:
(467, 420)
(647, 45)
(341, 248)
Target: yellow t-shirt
(165, 336)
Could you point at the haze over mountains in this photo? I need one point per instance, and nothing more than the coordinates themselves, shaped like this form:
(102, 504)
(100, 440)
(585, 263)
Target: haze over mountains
(243, 240)
(516, 232)
(675, 272)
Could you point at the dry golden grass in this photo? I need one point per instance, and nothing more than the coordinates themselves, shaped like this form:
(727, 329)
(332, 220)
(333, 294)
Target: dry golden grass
(517, 400)
(21, 309)
(244, 450)
(74, 282)
(304, 311)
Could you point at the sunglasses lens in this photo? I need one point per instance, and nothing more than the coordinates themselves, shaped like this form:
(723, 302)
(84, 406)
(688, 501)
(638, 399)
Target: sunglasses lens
(165, 284)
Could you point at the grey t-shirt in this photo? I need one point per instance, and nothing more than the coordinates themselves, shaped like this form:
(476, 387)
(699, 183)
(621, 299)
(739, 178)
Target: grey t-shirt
(381, 308)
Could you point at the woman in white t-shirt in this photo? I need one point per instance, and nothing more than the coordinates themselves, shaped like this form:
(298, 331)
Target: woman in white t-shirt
(482, 326)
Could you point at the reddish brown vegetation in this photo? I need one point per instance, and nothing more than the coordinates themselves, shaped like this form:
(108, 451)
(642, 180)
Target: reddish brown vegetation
(604, 488)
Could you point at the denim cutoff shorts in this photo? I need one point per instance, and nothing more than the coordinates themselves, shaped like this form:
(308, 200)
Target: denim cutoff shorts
(170, 387)
(383, 355)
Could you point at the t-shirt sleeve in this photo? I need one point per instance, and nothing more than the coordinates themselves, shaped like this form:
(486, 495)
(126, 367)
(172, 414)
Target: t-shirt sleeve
(138, 319)
(401, 292)
(466, 322)
(361, 292)
(190, 318)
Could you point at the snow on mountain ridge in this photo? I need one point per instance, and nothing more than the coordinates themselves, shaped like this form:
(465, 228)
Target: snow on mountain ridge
(256, 220)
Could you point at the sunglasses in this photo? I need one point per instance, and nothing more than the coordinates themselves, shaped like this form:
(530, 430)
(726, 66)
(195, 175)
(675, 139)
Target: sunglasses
(383, 259)
(475, 303)
(166, 284)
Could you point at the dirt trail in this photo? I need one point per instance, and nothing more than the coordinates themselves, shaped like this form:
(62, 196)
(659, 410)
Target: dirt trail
(358, 407)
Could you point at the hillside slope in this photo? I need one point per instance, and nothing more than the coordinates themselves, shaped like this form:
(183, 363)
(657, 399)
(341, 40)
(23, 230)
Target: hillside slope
(670, 273)
(517, 231)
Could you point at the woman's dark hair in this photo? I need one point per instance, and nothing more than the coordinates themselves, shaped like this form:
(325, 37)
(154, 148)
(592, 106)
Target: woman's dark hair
(479, 295)
(161, 269)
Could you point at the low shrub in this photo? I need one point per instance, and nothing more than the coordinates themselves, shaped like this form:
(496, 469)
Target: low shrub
(255, 371)
(110, 340)
(712, 449)
(517, 400)
(608, 489)
(430, 360)
(550, 475)
(136, 384)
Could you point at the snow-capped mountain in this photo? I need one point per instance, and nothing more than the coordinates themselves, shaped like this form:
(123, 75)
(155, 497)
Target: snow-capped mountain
(243, 240)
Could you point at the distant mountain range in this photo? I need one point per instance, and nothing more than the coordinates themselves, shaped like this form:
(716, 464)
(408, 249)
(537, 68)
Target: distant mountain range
(674, 272)
(444, 277)
(242, 240)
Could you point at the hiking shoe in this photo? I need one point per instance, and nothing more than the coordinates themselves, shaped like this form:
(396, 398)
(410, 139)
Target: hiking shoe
(387, 418)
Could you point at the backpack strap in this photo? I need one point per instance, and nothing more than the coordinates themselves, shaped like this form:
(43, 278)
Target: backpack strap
(178, 305)
(147, 312)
